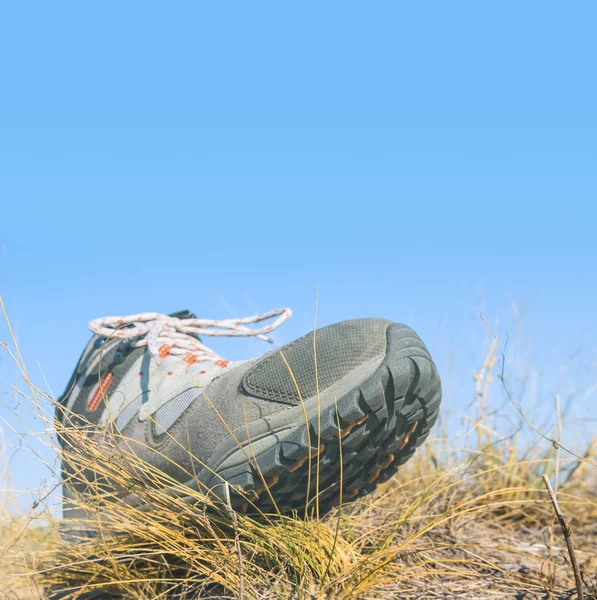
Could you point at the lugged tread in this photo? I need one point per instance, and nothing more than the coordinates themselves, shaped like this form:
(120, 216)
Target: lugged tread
(375, 421)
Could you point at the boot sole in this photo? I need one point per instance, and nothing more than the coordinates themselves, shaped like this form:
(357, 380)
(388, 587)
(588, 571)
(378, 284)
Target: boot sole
(288, 464)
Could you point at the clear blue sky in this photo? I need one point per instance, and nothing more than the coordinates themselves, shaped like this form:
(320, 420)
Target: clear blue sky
(423, 162)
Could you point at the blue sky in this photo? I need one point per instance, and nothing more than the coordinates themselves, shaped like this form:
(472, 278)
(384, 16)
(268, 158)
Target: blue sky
(425, 162)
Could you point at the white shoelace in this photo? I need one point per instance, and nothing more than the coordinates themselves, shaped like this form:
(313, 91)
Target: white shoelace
(165, 335)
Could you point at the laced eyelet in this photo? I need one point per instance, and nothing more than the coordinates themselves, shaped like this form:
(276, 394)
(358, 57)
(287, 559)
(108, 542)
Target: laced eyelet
(176, 336)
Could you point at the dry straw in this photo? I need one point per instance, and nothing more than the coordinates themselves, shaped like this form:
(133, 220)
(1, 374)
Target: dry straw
(454, 522)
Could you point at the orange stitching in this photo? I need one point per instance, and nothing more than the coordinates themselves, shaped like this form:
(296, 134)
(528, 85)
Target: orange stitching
(164, 350)
(190, 358)
(102, 388)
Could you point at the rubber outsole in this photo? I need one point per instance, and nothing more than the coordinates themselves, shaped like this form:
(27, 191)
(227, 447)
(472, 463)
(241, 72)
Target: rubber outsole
(371, 431)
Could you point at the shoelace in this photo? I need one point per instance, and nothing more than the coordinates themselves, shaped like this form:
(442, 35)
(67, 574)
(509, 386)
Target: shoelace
(164, 335)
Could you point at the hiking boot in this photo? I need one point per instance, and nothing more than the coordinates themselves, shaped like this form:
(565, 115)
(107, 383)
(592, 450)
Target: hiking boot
(264, 434)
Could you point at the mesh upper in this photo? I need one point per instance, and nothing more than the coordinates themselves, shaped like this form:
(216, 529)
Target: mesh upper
(341, 348)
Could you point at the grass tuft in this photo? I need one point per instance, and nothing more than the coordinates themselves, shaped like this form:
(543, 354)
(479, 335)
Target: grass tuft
(466, 522)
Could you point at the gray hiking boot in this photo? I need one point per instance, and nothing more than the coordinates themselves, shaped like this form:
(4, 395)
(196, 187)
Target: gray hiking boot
(272, 421)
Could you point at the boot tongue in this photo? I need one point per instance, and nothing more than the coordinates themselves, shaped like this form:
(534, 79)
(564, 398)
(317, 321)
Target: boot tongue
(185, 314)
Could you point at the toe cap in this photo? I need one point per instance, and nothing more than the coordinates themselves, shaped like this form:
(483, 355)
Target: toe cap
(341, 348)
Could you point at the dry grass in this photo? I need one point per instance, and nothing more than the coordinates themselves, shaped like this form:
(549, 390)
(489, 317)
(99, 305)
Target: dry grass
(454, 522)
